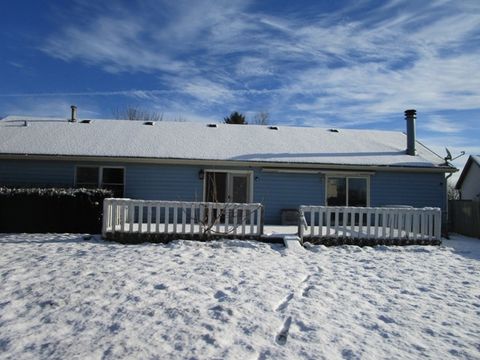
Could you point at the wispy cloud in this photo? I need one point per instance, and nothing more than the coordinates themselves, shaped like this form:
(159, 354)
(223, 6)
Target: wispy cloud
(442, 125)
(354, 68)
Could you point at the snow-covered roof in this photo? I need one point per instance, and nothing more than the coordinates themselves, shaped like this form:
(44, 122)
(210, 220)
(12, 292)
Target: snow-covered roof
(198, 141)
(471, 159)
(476, 158)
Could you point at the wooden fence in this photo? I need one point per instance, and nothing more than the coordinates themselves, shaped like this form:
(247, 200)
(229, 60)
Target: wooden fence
(464, 217)
(331, 222)
(130, 219)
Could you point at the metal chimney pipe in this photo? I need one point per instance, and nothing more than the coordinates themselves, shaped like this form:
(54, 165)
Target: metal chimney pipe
(410, 117)
(74, 113)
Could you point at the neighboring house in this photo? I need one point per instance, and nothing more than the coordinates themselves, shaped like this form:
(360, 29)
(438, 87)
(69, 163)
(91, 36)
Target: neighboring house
(281, 167)
(469, 182)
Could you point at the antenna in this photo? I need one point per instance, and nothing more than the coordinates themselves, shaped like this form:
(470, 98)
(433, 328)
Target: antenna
(449, 156)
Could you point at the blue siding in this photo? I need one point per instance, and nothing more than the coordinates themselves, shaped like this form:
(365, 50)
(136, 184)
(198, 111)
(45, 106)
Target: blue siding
(414, 189)
(161, 182)
(276, 191)
(36, 173)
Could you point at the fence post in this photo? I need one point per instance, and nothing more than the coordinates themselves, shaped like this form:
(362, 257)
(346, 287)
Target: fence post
(106, 216)
(262, 219)
(301, 216)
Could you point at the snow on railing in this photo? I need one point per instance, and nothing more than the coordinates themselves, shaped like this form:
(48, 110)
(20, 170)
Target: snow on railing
(178, 217)
(370, 223)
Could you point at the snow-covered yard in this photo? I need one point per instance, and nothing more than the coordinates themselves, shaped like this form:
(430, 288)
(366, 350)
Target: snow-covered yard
(64, 297)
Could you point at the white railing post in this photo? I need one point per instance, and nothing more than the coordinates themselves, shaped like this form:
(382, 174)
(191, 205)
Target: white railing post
(149, 218)
(301, 216)
(438, 224)
(374, 223)
(106, 217)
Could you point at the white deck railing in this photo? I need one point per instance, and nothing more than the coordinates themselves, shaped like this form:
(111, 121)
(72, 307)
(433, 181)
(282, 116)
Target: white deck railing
(176, 217)
(370, 223)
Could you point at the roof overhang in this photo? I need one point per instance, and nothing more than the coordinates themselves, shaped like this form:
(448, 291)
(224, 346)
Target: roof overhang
(233, 163)
(465, 170)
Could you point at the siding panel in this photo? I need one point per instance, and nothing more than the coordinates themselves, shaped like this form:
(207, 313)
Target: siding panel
(414, 189)
(160, 182)
(279, 191)
(36, 173)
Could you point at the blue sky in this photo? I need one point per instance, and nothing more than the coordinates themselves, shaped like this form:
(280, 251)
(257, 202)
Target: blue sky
(355, 64)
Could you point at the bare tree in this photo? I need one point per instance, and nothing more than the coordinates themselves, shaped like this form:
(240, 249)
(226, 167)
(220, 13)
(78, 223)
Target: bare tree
(261, 118)
(221, 211)
(453, 194)
(136, 113)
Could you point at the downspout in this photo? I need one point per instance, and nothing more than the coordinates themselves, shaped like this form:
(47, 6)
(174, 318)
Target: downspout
(446, 205)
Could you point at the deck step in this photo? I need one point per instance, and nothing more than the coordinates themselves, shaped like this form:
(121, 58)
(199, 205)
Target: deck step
(293, 242)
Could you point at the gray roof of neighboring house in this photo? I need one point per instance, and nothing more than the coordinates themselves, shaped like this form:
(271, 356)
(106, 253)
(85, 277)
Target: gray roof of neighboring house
(197, 141)
(471, 159)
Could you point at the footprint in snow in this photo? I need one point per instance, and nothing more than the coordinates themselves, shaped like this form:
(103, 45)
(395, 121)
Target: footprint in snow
(220, 296)
(160, 287)
(284, 304)
(220, 313)
(281, 338)
(306, 291)
(386, 319)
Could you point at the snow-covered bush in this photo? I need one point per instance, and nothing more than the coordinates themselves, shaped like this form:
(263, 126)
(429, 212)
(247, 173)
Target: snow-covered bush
(51, 209)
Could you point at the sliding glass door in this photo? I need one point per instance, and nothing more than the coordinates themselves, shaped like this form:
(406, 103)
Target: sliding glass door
(232, 187)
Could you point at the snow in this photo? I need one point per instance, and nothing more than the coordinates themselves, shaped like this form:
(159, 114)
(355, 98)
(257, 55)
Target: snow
(187, 141)
(64, 297)
(292, 243)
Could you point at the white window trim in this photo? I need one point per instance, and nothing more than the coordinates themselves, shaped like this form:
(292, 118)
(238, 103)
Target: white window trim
(239, 172)
(100, 174)
(346, 189)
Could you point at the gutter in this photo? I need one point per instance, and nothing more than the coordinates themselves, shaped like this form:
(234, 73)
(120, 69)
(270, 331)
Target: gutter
(232, 163)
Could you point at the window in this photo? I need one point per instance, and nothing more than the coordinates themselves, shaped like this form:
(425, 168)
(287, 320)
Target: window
(87, 177)
(347, 191)
(111, 178)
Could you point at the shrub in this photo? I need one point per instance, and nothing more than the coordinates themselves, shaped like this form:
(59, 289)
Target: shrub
(51, 210)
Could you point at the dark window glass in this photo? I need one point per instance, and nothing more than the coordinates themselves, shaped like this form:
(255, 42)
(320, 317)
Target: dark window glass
(112, 176)
(240, 188)
(112, 179)
(357, 192)
(87, 176)
(216, 186)
(336, 192)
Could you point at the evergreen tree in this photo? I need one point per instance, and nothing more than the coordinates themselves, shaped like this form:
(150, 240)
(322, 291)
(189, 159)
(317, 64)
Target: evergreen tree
(235, 118)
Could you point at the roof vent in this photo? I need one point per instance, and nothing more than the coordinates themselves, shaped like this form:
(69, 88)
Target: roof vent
(73, 118)
(151, 123)
(333, 130)
(273, 127)
(25, 123)
(212, 125)
(85, 121)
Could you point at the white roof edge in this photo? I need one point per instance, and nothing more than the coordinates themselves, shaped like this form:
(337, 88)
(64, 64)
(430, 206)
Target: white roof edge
(233, 163)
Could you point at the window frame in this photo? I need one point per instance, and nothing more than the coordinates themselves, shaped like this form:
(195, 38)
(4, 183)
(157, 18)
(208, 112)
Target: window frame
(346, 177)
(100, 169)
(249, 173)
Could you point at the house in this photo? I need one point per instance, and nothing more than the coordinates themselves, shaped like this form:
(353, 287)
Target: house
(469, 182)
(281, 167)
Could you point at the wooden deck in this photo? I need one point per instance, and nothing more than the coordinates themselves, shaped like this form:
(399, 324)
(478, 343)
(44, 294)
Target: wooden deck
(133, 221)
